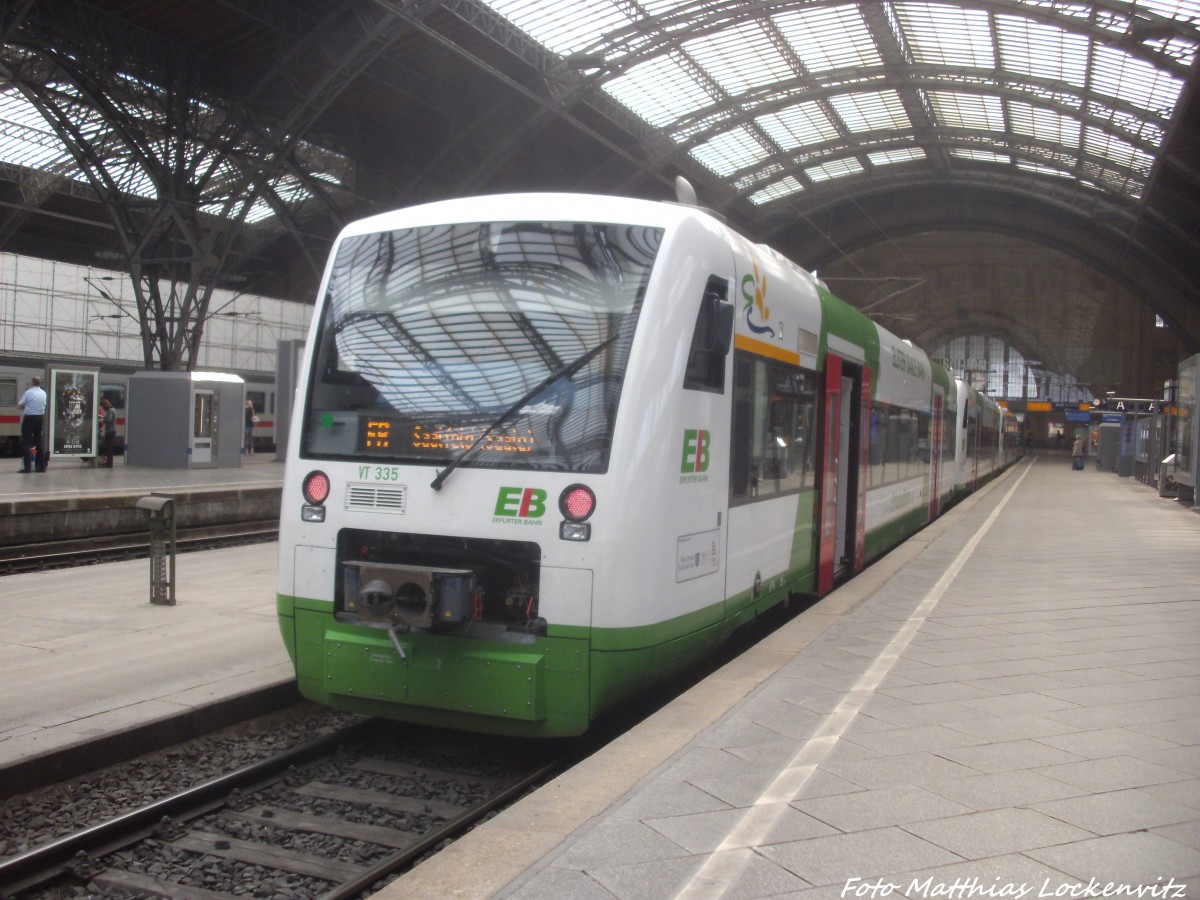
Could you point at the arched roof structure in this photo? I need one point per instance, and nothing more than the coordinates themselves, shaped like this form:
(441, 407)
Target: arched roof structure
(246, 133)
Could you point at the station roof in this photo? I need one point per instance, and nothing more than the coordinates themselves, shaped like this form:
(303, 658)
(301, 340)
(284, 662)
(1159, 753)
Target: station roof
(827, 129)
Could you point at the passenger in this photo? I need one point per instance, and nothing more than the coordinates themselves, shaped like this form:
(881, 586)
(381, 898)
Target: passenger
(251, 418)
(1077, 452)
(108, 426)
(33, 442)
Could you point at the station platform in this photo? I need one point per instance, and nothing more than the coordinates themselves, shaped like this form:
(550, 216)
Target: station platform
(88, 663)
(1006, 706)
(72, 499)
(67, 477)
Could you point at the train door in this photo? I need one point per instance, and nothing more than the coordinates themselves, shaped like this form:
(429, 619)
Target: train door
(842, 527)
(936, 436)
(973, 447)
(204, 415)
(863, 480)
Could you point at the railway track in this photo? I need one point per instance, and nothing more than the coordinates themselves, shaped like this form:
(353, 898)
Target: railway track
(328, 819)
(66, 553)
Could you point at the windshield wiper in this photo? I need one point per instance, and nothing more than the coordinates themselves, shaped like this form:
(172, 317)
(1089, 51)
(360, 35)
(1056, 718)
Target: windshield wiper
(565, 372)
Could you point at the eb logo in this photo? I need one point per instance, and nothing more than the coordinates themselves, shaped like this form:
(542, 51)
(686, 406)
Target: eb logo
(695, 450)
(521, 503)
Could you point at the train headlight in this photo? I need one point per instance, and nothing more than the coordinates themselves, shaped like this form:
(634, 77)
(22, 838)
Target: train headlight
(576, 503)
(316, 491)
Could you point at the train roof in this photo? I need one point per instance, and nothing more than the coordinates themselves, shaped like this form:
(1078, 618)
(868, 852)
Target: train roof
(564, 207)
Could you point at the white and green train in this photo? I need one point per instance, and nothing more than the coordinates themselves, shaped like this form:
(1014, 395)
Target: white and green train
(549, 448)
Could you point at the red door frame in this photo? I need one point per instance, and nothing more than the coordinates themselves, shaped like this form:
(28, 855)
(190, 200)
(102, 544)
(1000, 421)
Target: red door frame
(830, 446)
(864, 469)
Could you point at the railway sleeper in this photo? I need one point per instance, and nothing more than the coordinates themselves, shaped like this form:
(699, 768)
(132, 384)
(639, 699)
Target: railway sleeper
(148, 886)
(269, 857)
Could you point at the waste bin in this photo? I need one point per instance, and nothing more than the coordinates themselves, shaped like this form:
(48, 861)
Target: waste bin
(161, 509)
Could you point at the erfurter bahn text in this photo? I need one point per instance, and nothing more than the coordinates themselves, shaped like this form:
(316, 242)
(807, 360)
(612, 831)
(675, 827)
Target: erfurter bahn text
(551, 448)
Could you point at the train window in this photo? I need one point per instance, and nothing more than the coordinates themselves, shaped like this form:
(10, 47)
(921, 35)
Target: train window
(899, 444)
(490, 344)
(710, 339)
(114, 394)
(259, 399)
(774, 413)
(8, 392)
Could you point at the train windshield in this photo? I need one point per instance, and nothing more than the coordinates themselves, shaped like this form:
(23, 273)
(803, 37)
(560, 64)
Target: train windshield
(496, 344)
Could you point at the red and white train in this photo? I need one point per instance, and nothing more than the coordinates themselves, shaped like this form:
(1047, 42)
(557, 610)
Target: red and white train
(16, 374)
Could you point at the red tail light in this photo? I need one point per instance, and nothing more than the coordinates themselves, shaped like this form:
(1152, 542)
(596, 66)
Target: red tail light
(316, 487)
(577, 502)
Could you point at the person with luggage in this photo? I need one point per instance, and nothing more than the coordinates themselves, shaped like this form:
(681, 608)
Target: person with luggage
(1077, 452)
(34, 456)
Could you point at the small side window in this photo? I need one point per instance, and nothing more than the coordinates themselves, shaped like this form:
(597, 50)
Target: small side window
(710, 339)
(114, 394)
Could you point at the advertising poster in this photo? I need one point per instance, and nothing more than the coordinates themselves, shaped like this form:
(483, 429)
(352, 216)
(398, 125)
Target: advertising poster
(73, 395)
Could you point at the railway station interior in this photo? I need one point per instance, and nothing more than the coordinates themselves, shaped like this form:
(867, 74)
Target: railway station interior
(1003, 705)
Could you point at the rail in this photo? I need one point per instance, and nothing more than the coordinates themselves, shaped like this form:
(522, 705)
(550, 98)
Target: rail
(70, 552)
(104, 856)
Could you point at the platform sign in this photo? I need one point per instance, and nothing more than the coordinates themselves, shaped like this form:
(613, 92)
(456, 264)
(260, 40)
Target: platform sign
(73, 407)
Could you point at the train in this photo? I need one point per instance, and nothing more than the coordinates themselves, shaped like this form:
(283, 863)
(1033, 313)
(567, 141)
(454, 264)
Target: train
(16, 374)
(549, 449)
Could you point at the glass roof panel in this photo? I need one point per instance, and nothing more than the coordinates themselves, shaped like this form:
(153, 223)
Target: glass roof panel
(980, 155)
(659, 90)
(947, 35)
(878, 111)
(683, 80)
(1064, 73)
(835, 168)
(740, 58)
(563, 27)
(896, 155)
(1112, 148)
(29, 141)
(783, 188)
(730, 151)
(1117, 74)
(1042, 52)
(25, 138)
(1043, 124)
(1042, 169)
(1131, 125)
(829, 37)
(979, 112)
(759, 176)
(797, 126)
